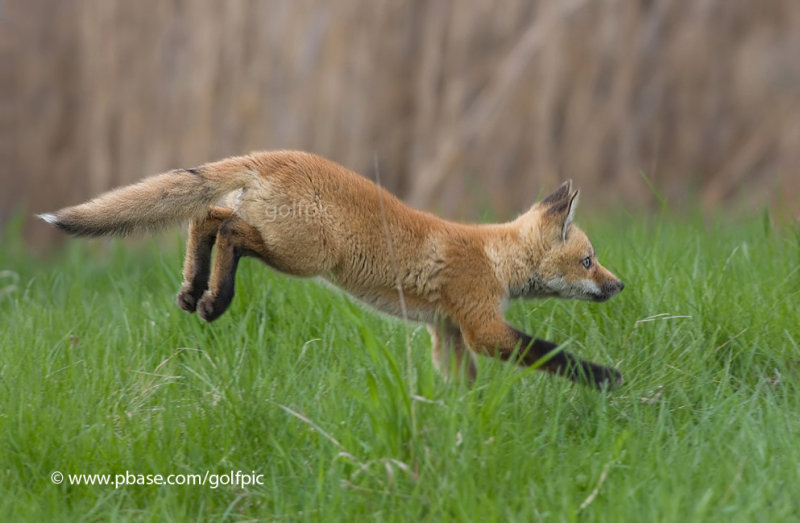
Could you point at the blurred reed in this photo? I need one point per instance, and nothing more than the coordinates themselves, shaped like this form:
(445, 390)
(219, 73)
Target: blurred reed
(465, 105)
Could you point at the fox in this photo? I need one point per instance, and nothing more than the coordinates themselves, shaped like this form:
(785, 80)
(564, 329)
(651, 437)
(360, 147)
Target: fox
(306, 216)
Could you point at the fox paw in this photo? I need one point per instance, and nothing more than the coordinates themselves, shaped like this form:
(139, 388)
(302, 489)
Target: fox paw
(187, 300)
(207, 307)
(211, 306)
(606, 377)
(189, 295)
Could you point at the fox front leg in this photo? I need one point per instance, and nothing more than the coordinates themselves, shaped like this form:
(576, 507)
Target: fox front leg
(497, 338)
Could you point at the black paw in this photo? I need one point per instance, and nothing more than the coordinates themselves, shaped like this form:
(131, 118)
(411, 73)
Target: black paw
(190, 294)
(206, 308)
(604, 377)
(187, 300)
(210, 307)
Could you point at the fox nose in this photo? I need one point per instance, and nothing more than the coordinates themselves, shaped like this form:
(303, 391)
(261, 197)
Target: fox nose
(610, 288)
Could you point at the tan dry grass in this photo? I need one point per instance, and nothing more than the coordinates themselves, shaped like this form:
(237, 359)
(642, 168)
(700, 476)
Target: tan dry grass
(464, 103)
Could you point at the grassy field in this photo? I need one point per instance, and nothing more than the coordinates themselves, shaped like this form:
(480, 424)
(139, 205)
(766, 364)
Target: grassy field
(339, 413)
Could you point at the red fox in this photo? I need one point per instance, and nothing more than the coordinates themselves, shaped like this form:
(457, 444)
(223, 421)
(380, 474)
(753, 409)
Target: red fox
(307, 216)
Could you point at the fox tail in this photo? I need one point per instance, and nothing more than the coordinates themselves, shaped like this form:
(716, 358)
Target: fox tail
(157, 201)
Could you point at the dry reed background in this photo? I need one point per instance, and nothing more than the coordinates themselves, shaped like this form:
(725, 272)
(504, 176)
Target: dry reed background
(464, 104)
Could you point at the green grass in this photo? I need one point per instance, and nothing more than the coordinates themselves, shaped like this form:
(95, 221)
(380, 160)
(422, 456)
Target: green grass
(341, 411)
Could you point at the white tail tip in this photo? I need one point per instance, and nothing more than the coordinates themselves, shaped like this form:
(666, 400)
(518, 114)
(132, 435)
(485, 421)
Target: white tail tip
(52, 219)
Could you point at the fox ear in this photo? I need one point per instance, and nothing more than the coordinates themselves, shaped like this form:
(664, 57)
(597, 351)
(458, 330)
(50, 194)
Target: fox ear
(559, 194)
(562, 212)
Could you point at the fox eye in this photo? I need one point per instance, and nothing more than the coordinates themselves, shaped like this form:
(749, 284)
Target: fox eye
(586, 262)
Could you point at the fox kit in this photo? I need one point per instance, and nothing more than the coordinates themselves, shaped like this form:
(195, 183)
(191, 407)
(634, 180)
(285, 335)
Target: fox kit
(306, 216)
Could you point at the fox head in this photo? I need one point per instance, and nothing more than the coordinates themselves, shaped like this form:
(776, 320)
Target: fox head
(563, 261)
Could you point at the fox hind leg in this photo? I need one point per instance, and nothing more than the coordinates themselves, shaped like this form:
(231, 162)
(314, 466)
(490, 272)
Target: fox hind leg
(235, 238)
(197, 264)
